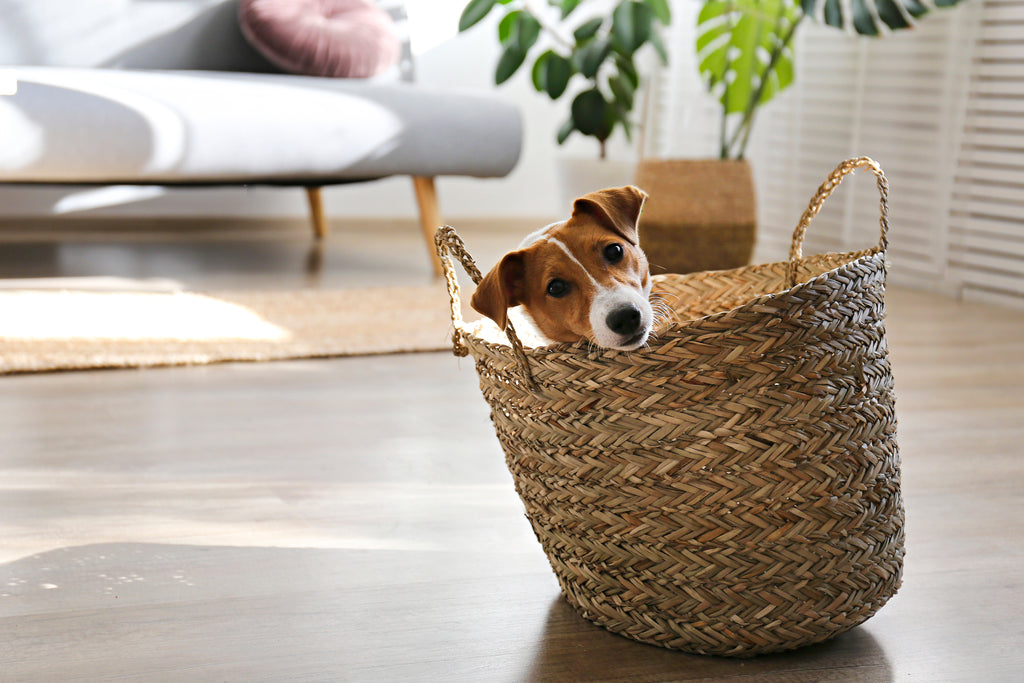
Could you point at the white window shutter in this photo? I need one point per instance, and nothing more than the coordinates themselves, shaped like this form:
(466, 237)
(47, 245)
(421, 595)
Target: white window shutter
(986, 226)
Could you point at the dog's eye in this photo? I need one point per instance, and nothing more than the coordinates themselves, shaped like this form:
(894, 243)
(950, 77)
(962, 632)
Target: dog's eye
(558, 288)
(613, 253)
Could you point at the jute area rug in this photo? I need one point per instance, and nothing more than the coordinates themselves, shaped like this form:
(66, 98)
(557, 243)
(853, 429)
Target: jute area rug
(118, 327)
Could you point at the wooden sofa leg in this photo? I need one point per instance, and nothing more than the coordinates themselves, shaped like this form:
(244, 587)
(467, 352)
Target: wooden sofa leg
(430, 216)
(316, 211)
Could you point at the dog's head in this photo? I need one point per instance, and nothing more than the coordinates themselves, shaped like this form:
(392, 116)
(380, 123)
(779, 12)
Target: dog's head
(584, 278)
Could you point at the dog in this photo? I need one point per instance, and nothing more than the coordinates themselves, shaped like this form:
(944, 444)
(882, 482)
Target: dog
(583, 278)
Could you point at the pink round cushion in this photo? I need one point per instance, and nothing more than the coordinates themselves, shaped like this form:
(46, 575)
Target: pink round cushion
(335, 38)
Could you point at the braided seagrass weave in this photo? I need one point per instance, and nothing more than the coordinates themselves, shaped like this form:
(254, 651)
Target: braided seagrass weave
(733, 489)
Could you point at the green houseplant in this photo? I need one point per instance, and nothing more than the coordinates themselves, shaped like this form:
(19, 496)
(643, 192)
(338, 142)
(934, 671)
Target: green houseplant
(600, 51)
(745, 49)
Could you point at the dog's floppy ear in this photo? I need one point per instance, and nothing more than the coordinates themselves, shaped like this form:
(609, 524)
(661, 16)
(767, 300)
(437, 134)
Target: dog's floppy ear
(618, 208)
(501, 288)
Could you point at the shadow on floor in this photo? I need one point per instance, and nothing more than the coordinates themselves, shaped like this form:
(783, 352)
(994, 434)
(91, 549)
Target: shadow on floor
(173, 611)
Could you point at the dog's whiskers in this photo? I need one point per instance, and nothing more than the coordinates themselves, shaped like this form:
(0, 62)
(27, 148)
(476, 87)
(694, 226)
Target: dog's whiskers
(662, 309)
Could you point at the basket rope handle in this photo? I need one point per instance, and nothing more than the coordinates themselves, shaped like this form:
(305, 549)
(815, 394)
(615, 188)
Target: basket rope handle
(450, 245)
(825, 191)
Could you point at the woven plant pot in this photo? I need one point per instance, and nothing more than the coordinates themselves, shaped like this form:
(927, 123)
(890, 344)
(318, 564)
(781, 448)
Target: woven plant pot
(701, 214)
(734, 489)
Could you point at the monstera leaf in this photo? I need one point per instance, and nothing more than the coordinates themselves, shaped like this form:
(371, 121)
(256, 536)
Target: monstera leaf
(743, 50)
(867, 17)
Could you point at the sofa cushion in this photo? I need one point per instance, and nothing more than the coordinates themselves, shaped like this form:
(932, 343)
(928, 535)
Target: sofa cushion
(336, 38)
(67, 125)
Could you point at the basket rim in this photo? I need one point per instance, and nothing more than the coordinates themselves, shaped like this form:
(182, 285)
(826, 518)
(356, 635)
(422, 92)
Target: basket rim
(852, 259)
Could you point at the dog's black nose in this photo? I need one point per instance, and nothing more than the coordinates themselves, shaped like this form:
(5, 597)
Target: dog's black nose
(624, 321)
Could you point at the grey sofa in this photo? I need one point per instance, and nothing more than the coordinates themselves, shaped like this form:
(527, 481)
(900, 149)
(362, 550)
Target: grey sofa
(139, 92)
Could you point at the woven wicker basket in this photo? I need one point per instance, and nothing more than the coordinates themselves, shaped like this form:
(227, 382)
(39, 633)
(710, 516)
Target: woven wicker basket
(733, 489)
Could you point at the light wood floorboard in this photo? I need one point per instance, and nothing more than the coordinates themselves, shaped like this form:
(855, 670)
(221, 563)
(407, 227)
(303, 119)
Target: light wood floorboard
(352, 519)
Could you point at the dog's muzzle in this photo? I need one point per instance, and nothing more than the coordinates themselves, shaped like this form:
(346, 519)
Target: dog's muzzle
(621, 319)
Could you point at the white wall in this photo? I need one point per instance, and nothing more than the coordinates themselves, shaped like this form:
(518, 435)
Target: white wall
(445, 59)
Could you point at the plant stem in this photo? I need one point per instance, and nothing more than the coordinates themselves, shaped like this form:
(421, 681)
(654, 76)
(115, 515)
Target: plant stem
(744, 127)
(723, 144)
(546, 27)
(746, 137)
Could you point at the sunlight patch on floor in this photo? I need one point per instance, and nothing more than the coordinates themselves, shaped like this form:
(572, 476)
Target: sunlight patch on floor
(128, 316)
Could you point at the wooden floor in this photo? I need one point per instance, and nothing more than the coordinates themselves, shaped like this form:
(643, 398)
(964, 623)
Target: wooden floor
(352, 520)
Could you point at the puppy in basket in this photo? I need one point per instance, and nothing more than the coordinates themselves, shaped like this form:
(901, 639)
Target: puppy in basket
(583, 278)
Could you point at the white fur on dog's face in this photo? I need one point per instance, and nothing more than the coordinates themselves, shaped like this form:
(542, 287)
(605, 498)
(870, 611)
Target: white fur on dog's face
(610, 300)
(585, 278)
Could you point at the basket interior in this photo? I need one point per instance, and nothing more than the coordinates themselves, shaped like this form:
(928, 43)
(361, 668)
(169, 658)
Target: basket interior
(691, 296)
